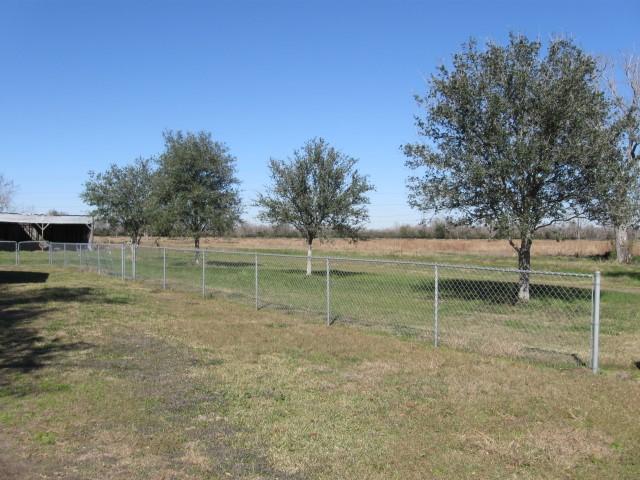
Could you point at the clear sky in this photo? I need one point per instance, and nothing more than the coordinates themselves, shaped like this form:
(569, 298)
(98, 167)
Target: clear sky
(84, 84)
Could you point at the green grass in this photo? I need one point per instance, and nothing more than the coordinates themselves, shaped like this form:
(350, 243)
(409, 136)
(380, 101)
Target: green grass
(100, 379)
(477, 309)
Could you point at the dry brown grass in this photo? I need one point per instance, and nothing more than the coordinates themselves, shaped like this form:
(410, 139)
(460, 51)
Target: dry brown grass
(395, 246)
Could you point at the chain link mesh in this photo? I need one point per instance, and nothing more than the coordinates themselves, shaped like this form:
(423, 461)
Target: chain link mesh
(471, 308)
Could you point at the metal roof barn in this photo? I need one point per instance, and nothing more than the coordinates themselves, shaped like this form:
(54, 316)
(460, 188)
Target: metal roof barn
(20, 227)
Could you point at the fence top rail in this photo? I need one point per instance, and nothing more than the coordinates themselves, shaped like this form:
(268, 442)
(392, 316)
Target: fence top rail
(360, 260)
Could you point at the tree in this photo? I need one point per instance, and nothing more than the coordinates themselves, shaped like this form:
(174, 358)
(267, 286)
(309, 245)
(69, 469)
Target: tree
(616, 197)
(122, 197)
(196, 191)
(7, 190)
(317, 191)
(512, 131)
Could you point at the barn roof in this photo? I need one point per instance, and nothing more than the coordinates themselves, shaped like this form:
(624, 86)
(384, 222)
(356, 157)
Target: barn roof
(45, 219)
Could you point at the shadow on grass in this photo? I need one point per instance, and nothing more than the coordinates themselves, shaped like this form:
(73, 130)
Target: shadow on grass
(11, 276)
(321, 272)
(24, 348)
(495, 292)
(600, 256)
(632, 275)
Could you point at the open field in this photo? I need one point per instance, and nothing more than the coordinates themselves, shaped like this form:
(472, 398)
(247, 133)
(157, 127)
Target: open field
(405, 247)
(104, 380)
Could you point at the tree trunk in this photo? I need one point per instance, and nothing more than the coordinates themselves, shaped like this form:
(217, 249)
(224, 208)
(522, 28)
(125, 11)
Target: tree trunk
(623, 252)
(196, 243)
(309, 248)
(524, 263)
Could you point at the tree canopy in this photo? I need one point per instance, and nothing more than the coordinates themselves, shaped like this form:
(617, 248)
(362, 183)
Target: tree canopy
(195, 188)
(316, 191)
(511, 131)
(121, 196)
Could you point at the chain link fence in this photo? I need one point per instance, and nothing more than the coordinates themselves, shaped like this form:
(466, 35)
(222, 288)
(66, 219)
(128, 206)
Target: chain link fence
(463, 307)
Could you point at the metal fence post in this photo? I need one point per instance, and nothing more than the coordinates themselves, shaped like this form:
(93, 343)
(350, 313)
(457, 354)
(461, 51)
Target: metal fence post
(99, 265)
(50, 259)
(164, 268)
(17, 253)
(133, 261)
(64, 254)
(122, 261)
(595, 323)
(256, 282)
(328, 268)
(435, 306)
(202, 257)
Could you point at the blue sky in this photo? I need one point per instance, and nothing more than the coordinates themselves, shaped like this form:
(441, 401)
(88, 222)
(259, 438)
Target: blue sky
(84, 84)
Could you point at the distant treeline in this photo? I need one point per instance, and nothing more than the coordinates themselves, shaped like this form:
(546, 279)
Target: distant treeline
(439, 229)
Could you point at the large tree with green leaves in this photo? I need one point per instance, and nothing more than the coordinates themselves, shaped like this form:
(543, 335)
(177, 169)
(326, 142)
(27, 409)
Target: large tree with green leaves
(317, 191)
(196, 190)
(511, 130)
(121, 196)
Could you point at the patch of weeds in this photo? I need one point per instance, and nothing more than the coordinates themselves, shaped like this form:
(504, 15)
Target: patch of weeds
(54, 325)
(277, 325)
(45, 438)
(7, 418)
(51, 386)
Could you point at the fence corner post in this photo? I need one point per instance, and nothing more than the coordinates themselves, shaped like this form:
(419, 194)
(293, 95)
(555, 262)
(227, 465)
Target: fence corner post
(256, 281)
(328, 268)
(436, 300)
(595, 323)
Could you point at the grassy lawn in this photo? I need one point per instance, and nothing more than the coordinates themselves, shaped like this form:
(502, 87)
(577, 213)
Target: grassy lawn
(477, 309)
(100, 379)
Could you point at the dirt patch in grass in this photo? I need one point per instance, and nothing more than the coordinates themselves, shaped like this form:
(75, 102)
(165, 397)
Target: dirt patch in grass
(157, 374)
(82, 398)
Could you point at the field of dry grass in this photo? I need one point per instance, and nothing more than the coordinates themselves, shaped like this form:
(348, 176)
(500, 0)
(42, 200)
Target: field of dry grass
(395, 246)
(104, 380)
